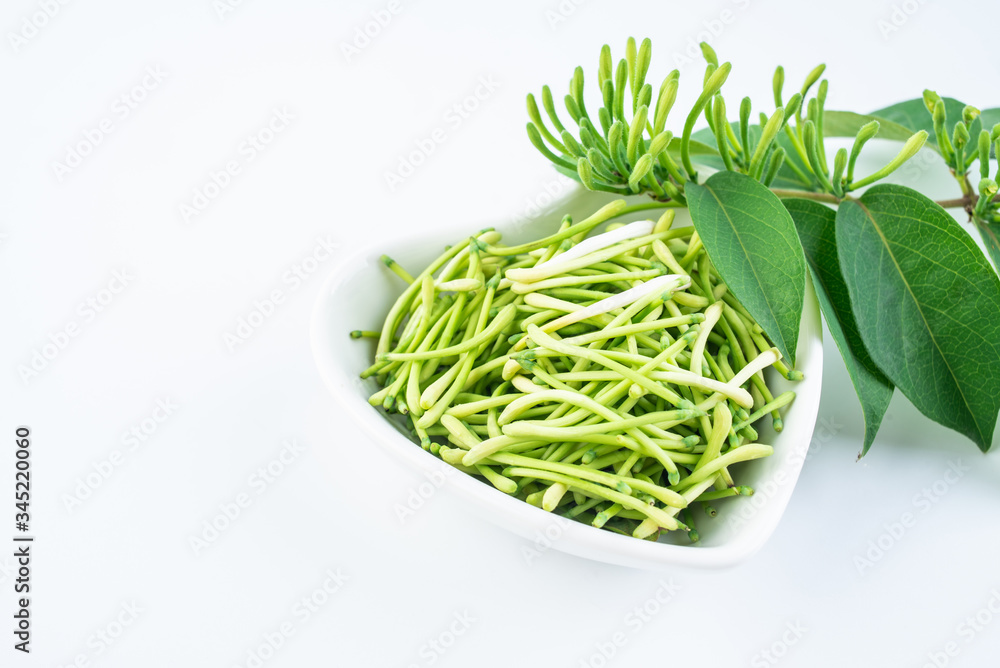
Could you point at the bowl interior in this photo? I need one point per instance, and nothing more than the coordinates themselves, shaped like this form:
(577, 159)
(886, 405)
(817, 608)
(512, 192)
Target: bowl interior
(360, 293)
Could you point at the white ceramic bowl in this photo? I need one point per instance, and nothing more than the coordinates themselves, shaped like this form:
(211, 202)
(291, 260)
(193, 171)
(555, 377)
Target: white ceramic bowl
(360, 293)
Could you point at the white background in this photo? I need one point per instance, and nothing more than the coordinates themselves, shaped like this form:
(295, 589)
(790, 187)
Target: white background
(163, 337)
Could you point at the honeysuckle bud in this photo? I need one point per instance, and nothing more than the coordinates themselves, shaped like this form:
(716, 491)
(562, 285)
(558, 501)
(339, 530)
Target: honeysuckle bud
(712, 86)
(777, 84)
(839, 165)
(664, 101)
(573, 147)
(608, 94)
(621, 80)
(709, 53)
(536, 118)
(910, 148)
(794, 102)
(774, 164)
(810, 137)
(573, 108)
(987, 187)
(930, 100)
(812, 78)
(536, 140)
(961, 135)
(584, 170)
(635, 133)
(983, 148)
(812, 110)
(604, 115)
(642, 167)
(630, 54)
(615, 140)
(969, 114)
(940, 118)
(745, 126)
(721, 125)
(642, 61)
(767, 135)
(599, 163)
(660, 143)
(588, 135)
(645, 95)
(604, 65)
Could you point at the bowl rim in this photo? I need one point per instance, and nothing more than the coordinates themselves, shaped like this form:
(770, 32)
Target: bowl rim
(520, 517)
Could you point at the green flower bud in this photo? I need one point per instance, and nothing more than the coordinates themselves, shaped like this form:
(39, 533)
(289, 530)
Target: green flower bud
(987, 187)
(767, 135)
(910, 148)
(641, 66)
(709, 53)
(969, 114)
(604, 65)
(940, 119)
(573, 108)
(812, 78)
(635, 133)
(664, 101)
(930, 100)
(660, 143)
(630, 53)
(810, 137)
(573, 148)
(745, 126)
(792, 108)
(773, 165)
(777, 84)
(586, 174)
(608, 93)
(615, 146)
(812, 110)
(984, 153)
(645, 96)
(621, 79)
(599, 163)
(709, 71)
(961, 136)
(536, 118)
(839, 165)
(642, 167)
(721, 124)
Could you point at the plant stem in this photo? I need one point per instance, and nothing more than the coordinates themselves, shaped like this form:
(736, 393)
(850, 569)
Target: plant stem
(957, 203)
(962, 202)
(806, 194)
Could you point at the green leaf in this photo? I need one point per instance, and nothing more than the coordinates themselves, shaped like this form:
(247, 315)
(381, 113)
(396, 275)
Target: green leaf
(815, 224)
(913, 115)
(751, 240)
(990, 232)
(990, 117)
(927, 304)
(847, 124)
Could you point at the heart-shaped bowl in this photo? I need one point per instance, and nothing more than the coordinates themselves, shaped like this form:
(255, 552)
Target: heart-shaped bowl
(360, 292)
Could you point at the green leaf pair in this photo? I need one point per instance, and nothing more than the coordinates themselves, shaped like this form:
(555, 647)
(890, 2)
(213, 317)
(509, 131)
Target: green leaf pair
(910, 300)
